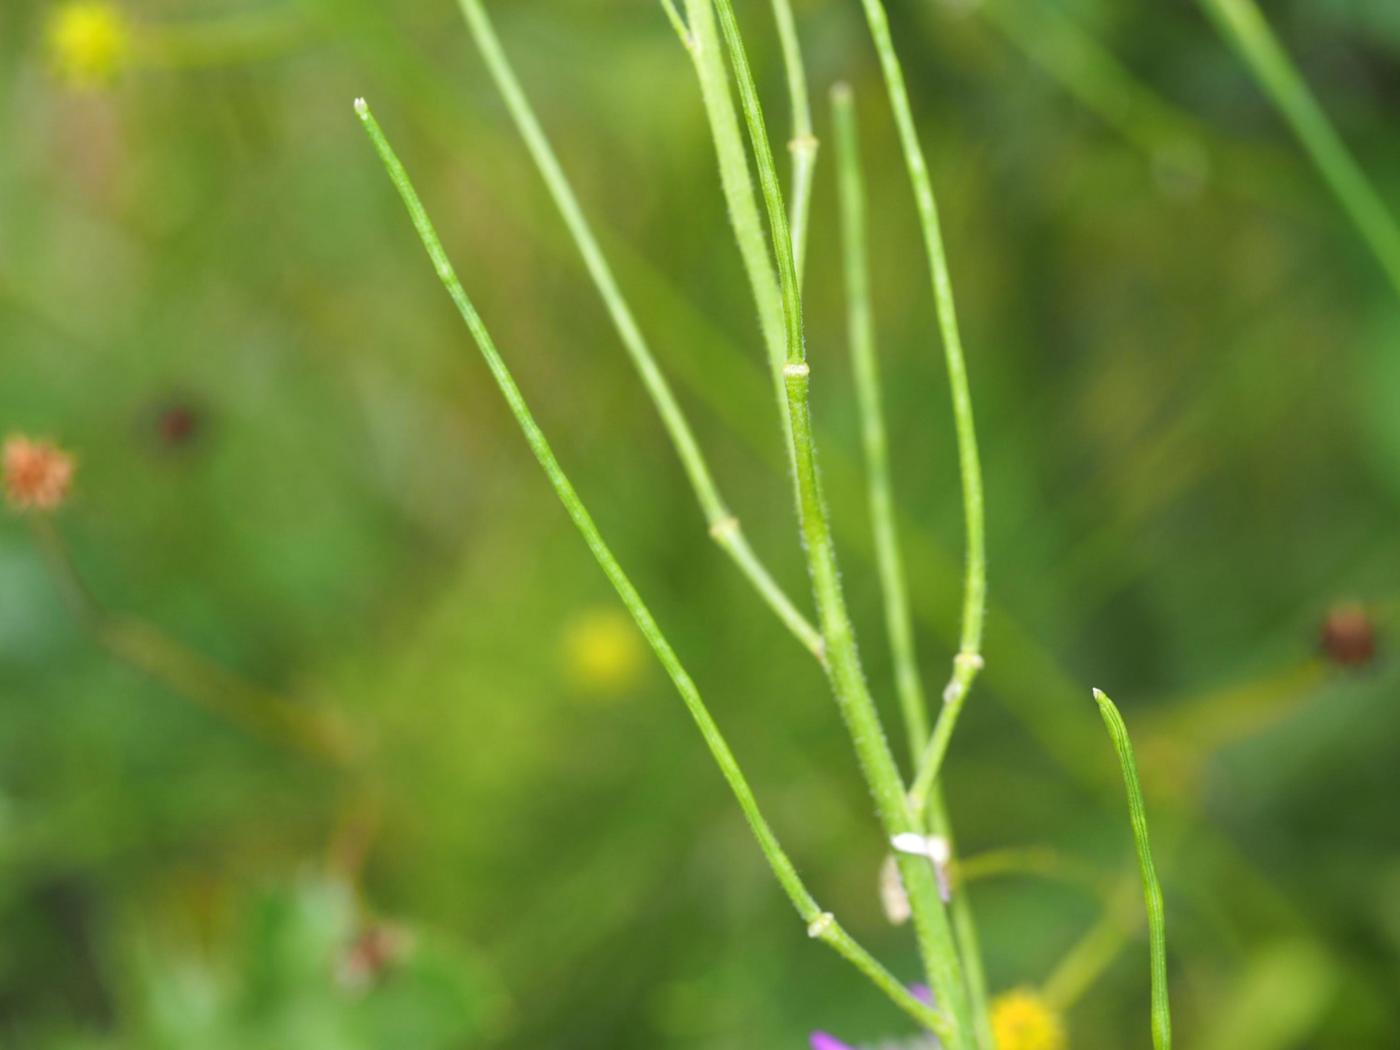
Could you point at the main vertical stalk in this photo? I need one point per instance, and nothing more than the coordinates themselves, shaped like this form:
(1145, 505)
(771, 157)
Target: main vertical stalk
(899, 623)
(848, 680)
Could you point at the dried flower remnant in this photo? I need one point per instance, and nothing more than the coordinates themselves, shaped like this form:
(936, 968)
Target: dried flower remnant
(374, 951)
(89, 43)
(37, 474)
(1348, 635)
(178, 425)
(174, 423)
(893, 898)
(937, 849)
(1023, 1020)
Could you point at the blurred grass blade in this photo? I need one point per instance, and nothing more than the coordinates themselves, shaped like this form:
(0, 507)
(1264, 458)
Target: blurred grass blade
(1241, 22)
(820, 925)
(899, 623)
(1151, 888)
(1279, 1002)
(723, 525)
(1091, 74)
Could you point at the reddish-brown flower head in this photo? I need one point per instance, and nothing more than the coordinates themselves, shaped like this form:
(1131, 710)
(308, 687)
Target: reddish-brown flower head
(37, 474)
(1348, 635)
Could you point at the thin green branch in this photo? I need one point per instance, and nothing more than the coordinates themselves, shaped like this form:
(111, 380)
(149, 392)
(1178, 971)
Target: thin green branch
(736, 182)
(965, 668)
(860, 330)
(848, 680)
(723, 525)
(313, 733)
(964, 930)
(1151, 888)
(1029, 861)
(1241, 22)
(673, 16)
(969, 659)
(803, 145)
(890, 563)
(821, 925)
(1090, 956)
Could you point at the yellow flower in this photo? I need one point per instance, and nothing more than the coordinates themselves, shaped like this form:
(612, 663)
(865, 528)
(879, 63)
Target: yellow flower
(602, 651)
(1022, 1020)
(89, 43)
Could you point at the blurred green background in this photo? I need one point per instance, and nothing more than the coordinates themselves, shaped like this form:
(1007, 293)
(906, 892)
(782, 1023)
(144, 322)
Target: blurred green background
(1186, 370)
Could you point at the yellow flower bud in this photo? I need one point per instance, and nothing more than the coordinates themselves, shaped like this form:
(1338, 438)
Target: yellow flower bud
(1022, 1020)
(602, 651)
(89, 43)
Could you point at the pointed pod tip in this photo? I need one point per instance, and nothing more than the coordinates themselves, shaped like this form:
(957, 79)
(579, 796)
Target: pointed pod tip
(362, 107)
(1100, 695)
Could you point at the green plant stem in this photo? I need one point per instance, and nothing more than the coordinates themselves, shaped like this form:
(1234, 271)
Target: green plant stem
(930, 764)
(803, 145)
(821, 925)
(1028, 861)
(707, 55)
(1086, 961)
(890, 563)
(1241, 22)
(145, 648)
(860, 331)
(1151, 888)
(723, 526)
(673, 16)
(848, 680)
(964, 930)
(969, 659)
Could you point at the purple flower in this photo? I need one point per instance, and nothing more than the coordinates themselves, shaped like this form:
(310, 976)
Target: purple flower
(822, 1041)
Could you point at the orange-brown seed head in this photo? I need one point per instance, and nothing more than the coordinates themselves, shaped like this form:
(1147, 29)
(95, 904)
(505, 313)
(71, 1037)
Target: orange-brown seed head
(37, 474)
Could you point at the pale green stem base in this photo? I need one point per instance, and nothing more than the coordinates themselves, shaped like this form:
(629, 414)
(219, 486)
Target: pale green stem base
(890, 562)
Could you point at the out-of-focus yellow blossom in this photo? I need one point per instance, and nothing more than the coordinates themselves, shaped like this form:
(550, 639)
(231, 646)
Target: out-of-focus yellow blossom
(603, 653)
(89, 43)
(1022, 1020)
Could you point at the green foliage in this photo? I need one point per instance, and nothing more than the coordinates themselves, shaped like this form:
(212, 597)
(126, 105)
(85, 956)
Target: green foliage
(301, 969)
(1183, 360)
